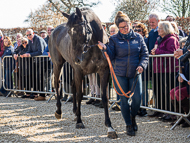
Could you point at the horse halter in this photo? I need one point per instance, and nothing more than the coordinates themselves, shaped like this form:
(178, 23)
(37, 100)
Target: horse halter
(88, 34)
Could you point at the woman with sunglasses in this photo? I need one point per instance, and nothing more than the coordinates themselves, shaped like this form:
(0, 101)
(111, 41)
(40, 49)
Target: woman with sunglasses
(19, 51)
(141, 29)
(129, 54)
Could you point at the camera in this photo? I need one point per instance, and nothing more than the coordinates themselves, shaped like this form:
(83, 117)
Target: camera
(185, 56)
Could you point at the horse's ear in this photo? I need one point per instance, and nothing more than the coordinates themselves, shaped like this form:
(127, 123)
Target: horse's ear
(65, 14)
(79, 13)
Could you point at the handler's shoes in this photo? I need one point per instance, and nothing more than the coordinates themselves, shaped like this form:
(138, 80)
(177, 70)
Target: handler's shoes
(130, 130)
(134, 124)
(40, 98)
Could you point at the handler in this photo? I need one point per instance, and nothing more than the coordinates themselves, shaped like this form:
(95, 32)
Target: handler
(128, 53)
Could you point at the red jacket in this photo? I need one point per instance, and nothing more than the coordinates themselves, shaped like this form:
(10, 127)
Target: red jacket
(1, 47)
(168, 45)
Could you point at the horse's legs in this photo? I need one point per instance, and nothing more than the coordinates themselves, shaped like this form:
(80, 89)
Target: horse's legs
(103, 83)
(56, 71)
(74, 97)
(78, 83)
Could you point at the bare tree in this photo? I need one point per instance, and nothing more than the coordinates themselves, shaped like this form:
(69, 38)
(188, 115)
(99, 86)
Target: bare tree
(179, 8)
(69, 5)
(49, 13)
(44, 16)
(135, 9)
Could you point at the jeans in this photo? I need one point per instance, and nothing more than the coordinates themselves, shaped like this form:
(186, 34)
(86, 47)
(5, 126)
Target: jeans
(126, 84)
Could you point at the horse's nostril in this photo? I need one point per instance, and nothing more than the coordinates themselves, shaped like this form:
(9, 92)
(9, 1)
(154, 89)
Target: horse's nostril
(78, 60)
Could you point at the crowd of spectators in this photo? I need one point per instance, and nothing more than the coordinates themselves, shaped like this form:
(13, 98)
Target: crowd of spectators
(165, 37)
(30, 45)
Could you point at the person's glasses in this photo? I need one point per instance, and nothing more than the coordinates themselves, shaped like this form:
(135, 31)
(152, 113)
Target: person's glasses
(125, 27)
(112, 31)
(24, 43)
(28, 35)
(138, 30)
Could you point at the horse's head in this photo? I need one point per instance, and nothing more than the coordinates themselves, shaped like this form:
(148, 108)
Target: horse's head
(80, 31)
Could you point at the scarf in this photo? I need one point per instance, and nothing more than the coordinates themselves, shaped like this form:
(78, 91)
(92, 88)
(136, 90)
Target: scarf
(126, 36)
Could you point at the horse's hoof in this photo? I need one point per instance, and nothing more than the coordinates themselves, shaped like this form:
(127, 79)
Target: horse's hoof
(112, 135)
(80, 126)
(58, 116)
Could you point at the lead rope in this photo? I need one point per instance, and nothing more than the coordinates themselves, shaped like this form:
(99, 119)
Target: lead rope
(118, 84)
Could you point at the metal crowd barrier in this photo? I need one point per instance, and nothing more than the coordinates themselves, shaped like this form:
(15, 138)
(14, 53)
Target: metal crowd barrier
(159, 85)
(32, 74)
(35, 72)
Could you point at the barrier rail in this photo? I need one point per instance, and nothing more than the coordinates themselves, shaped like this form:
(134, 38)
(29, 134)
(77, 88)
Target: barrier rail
(34, 74)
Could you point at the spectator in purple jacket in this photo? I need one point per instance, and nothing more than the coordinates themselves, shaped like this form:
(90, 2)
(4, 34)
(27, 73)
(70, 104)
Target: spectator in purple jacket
(167, 44)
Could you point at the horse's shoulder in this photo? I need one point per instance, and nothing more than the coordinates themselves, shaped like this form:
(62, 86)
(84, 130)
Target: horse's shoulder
(60, 32)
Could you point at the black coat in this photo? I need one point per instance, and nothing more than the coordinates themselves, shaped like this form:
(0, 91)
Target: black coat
(21, 50)
(37, 46)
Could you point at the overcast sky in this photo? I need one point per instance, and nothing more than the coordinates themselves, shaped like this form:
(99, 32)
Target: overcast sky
(14, 12)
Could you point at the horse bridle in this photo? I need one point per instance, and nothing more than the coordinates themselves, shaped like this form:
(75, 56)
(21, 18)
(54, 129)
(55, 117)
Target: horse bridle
(88, 34)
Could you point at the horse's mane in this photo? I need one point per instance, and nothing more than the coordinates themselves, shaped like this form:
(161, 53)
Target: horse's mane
(72, 18)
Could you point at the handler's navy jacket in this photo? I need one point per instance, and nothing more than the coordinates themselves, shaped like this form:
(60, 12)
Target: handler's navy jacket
(127, 55)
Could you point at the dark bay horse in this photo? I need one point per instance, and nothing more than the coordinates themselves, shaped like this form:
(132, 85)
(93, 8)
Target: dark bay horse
(72, 42)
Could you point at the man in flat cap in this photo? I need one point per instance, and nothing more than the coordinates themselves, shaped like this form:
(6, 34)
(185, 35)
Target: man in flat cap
(43, 34)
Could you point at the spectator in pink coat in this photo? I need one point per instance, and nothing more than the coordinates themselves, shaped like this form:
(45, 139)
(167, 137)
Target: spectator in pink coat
(168, 42)
(1, 44)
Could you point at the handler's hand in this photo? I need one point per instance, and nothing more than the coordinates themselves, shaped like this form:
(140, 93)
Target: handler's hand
(101, 46)
(140, 69)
